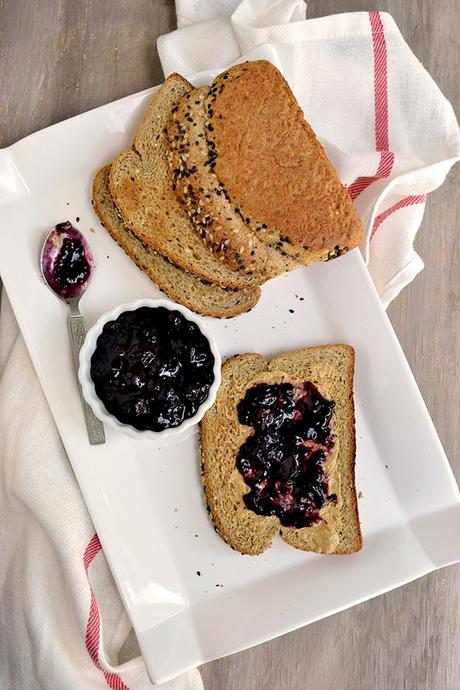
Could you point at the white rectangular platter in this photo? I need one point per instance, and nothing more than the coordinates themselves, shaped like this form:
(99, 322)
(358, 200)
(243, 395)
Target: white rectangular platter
(147, 505)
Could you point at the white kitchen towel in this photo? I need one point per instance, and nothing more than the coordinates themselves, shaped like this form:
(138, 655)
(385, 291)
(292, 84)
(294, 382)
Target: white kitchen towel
(62, 623)
(386, 126)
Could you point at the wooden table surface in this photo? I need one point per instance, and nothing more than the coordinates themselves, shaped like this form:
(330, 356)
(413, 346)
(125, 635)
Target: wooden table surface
(61, 57)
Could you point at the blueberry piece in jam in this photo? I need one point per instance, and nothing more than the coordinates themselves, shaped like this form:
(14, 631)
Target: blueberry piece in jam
(282, 461)
(152, 368)
(141, 407)
(198, 356)
(170, 368)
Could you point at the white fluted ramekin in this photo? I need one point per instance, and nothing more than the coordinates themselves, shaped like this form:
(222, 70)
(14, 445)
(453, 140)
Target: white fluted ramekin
(96, 404)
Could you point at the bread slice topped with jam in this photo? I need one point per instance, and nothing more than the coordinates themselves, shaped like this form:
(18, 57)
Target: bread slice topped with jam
(278, 452)
(272, 167)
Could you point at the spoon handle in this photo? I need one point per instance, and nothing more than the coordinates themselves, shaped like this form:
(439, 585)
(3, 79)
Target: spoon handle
(94, 427)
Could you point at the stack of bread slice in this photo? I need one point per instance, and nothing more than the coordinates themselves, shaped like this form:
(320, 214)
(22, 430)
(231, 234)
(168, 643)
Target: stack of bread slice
(224, 188)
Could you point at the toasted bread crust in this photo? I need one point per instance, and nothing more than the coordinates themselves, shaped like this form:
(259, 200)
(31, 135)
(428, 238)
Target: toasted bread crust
(153, 116)
(274, 169)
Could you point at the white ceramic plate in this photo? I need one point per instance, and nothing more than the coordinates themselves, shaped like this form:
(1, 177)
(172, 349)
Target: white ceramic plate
(147, 505)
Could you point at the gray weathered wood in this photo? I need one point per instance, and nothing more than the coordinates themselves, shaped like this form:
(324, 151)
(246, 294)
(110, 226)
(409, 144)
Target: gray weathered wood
(62, 57)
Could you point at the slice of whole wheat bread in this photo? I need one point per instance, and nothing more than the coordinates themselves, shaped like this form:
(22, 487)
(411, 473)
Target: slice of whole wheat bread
(197, 187)
(272, 167)
(140, 186)
(203, 298)
(330, 368)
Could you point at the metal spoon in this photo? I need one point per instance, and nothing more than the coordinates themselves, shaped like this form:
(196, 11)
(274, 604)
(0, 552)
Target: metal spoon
(67, 267)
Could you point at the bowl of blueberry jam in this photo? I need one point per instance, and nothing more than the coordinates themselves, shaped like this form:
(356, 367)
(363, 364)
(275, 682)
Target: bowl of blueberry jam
(149, 369)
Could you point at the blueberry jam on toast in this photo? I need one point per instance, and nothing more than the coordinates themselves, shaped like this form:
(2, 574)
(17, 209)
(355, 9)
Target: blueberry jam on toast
(282, 461)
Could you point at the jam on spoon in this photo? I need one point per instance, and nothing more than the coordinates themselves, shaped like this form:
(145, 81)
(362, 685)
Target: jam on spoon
(67, 266)
(67, 263)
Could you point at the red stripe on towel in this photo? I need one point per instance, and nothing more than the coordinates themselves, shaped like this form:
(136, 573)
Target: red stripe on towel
(91, 550)
(407, 201)
(380, 82)
(361, 183)
(93, 625)
(380, 107)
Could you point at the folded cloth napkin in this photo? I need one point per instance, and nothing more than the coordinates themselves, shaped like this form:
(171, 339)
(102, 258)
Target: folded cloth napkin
(62, 622)
(384, 123)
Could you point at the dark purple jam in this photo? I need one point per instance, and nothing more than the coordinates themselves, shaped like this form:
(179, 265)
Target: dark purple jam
(71, 267)
(152, 368)
(66, 261)
(282, 461)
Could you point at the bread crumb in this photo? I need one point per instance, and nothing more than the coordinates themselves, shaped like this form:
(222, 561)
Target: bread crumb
(360, 494)
(92, 230)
